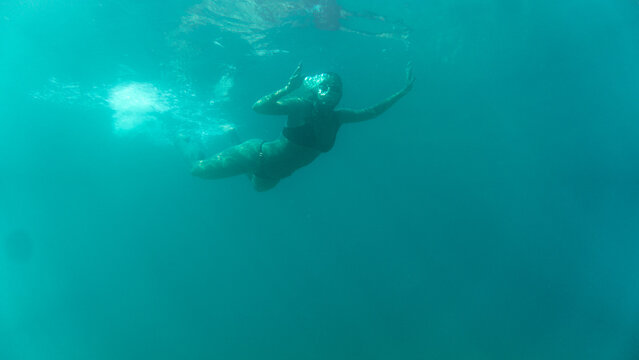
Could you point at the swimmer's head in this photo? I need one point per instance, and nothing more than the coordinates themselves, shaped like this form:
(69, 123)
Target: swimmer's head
(326, 89)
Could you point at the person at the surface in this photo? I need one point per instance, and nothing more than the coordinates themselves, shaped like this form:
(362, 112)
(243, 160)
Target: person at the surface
(310, 130)
(329, 15)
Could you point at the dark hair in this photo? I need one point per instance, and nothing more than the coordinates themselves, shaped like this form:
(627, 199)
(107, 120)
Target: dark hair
(335, 79)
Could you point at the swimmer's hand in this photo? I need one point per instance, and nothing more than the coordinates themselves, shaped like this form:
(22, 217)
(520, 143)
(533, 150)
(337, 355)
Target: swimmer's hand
(275, 104)
(296, 80)
(410, 79)
(352, 116)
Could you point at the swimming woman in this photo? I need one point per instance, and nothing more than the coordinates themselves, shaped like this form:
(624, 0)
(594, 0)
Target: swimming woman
(310, 130)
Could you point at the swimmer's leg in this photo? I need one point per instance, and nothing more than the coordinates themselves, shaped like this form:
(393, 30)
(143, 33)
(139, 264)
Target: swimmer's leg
(399, 30)
(262, 184)
(236, 160)
(403, 35)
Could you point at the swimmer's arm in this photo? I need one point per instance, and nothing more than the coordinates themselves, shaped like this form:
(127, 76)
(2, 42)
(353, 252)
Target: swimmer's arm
(273, 104)
(351, 116)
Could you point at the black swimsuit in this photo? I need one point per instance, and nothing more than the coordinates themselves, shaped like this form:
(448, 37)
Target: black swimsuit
(316, 133)
(260, 164)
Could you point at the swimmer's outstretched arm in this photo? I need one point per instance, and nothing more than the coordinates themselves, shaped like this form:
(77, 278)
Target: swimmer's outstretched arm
(273, 105)
(350, 116)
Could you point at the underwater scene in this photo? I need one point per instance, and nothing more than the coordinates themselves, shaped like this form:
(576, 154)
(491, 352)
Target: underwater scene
(319, 179)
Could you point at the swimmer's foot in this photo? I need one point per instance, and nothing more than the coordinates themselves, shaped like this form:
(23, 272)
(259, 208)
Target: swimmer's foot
(184, 138)
(190, 150)
(231, 132)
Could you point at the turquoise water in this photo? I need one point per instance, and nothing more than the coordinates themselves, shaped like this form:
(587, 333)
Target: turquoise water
(493, 213)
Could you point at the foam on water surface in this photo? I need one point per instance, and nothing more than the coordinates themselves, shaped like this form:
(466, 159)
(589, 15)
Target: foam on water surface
(136, 104)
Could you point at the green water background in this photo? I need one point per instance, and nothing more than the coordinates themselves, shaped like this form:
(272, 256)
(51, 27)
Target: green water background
(491, 214)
